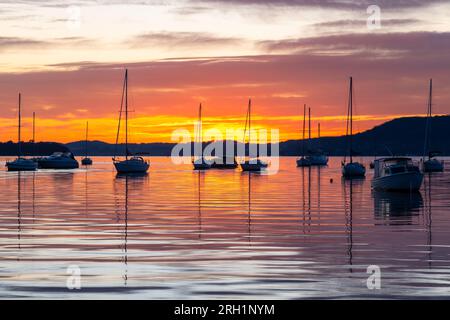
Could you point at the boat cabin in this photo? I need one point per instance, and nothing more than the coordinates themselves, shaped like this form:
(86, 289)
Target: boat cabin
(391, 166)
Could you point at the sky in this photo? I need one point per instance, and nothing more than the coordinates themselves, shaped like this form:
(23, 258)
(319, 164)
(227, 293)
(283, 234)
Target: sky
(68, 58)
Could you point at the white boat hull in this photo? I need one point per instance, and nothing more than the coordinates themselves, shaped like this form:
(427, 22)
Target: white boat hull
(433, 165)
(354, 169)
(408, 181)
(131, 166)
(21, 165)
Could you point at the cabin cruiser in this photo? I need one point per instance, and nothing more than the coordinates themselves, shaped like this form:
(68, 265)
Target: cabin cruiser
(21, 164)
(131, 165)
(253, 165)
(58, 160)
(396, 174)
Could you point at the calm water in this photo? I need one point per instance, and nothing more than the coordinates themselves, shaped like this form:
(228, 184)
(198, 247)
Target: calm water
(176, 233)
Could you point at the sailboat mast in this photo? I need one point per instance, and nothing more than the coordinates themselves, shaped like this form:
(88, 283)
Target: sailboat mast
(427, 127)
(309, 125)
(34, 133)
(126, 114)
(19, 146)
(304, 125)
(351, 119)
(200, 129)
(86, 141)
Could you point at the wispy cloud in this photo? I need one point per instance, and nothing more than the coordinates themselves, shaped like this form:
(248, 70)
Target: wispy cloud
(181, 39)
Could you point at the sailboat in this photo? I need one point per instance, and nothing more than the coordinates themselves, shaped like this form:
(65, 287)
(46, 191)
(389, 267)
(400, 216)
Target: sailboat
(317, 157)
(351, 169)
(432, 164)
(303, 161)
(86, 161)
(131, 164)
(200, 163)
(21, 164)
(251, 164)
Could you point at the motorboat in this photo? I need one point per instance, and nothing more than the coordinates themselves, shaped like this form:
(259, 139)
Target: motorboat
(86, 161)
(131, 164)
(58, 160)
(396, 174)
(20, 164)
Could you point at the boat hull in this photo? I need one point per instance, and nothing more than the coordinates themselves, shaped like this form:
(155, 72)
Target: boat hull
(253, 166)
(58, 164)
(408, 181)
(21, 165)
(201, 164)
(224, 163)
(319, 160)
(433, 165)
(131, 166)
(303, 162)
(86, 161)
(353, 170)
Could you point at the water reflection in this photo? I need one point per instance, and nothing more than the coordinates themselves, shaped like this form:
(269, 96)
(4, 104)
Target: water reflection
(396, 208)
(220, 234)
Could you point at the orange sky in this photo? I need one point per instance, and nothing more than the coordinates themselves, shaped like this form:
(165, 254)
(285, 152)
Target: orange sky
(68, 62)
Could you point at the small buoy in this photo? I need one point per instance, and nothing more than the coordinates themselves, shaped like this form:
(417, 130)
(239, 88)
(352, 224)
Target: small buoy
(331, 180)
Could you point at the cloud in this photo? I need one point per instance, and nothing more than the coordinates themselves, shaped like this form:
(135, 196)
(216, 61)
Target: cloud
(181, 39)
(14, 43)
(394, 45)
(362, 23)
(333, 4)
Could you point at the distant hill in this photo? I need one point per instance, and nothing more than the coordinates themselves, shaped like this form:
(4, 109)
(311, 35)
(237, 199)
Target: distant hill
(403, 136)
(29, 149)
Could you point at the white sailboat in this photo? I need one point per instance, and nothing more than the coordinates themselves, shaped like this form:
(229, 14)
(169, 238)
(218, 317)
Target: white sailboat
(86, 161)
(131, 164)
(317, 157)
(431, 164)
(200, 163)
(303, 161)
(21, 164)
(251, 164)
(351, 169)
(396, 174)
